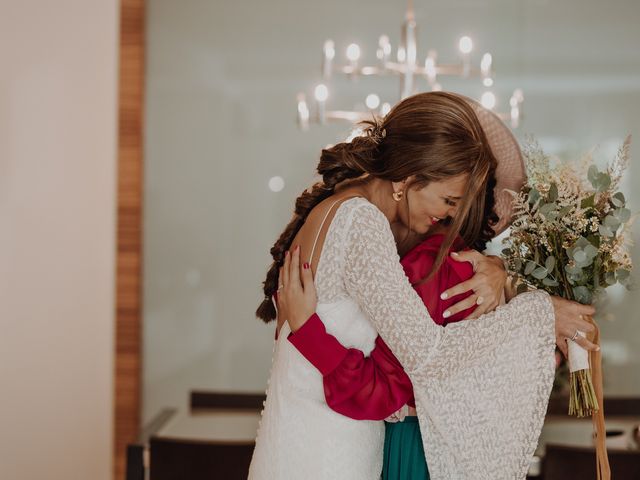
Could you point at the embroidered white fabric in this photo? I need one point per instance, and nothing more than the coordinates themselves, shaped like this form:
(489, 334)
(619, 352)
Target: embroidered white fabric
(481, 386)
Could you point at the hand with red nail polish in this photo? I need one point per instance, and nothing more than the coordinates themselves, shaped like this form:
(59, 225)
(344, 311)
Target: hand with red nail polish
(298, 295)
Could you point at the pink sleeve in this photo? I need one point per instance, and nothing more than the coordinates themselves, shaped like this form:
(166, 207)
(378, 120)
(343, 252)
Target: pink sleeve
(374, 387)
(359, 387)
(417, 265)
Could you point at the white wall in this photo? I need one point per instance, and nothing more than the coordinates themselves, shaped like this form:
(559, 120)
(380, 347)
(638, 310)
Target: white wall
(58, 103)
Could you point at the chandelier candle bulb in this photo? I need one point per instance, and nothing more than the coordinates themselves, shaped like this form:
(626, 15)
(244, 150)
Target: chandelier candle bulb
(516, 99)
(465, 45)
(372, 101)
(328, 52)
(384, 50)
(303, 112)
(321, 94)
(430, 67)
(488, 100)
(409, 55)
(485, 66)
(515, 117)
(353, 55)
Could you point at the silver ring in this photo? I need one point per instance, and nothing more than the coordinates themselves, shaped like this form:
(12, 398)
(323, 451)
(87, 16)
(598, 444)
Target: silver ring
(575, 335)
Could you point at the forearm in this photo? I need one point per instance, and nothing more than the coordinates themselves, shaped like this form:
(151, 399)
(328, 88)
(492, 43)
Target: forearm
(358, 386)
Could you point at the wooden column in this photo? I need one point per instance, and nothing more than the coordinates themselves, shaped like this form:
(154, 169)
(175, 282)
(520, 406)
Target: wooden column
(128, 328)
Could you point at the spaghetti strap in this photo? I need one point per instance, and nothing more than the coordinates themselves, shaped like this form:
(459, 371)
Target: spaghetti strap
(326, 215)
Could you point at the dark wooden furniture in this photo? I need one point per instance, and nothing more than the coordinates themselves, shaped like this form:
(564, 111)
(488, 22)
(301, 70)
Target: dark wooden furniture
(214, 439)
(568, 463)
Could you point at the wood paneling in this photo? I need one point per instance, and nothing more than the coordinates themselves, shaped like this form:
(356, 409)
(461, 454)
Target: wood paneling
(128, 328)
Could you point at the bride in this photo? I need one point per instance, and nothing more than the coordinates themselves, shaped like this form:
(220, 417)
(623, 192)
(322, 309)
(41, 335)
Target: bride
(428, 160)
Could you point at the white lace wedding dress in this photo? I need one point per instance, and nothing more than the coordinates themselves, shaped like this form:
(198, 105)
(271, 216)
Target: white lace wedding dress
(481, 386)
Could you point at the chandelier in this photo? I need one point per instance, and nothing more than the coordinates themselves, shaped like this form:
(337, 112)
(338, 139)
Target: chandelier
(407, 68)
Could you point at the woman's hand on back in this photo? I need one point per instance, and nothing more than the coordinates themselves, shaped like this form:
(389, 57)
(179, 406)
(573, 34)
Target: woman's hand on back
(297, 297)
(487, 284)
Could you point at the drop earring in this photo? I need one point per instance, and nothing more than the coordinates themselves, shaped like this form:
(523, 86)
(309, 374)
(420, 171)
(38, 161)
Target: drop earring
(397, 196)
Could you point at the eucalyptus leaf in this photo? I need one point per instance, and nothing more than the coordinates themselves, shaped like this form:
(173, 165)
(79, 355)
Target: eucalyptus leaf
(622, 275)
(603, 182)
(530, 267)
(592, 174)
(573, 270)
(540, 273)
(605, 231)
(588, 202)
(564, 211)
(534, 196)
(549, 263)
(582, 294)
(582, 242)
(623, 214)
(579, 256)
(550, 282)
(547, 208)
(610, 278)
(612, 222)
(517, 263)
(618, 199)
(590, 251)
(594, 240)
(553, 193)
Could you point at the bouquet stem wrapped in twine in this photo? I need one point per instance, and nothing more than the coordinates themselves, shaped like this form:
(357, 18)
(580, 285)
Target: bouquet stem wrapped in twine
(586, 397)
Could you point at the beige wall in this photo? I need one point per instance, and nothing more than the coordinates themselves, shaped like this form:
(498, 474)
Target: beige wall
(58, 92)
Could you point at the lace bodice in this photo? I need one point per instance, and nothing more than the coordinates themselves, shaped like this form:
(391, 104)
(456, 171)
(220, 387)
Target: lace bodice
(481, 386)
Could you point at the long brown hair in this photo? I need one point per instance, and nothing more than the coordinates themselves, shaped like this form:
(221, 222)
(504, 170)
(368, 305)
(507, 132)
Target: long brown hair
(430, 136)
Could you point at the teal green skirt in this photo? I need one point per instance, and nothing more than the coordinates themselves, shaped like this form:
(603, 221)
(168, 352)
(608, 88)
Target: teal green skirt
(403, 452)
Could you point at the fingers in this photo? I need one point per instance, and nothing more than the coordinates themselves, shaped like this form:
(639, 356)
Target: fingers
(285, 269)
(585, 309)
(586, 344)
(471, 256)
(307, 277)
(294, 270)
(279, 290)
(484, 307)
(468, 302)
(562, 345)
(584, 326)
(459, 288)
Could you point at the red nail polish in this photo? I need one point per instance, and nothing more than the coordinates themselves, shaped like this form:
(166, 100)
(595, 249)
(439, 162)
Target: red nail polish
(306, 266)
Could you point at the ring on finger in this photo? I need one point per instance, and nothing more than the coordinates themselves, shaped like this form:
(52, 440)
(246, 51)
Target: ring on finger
(479, 300)
(280, 287)
(575, 335)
